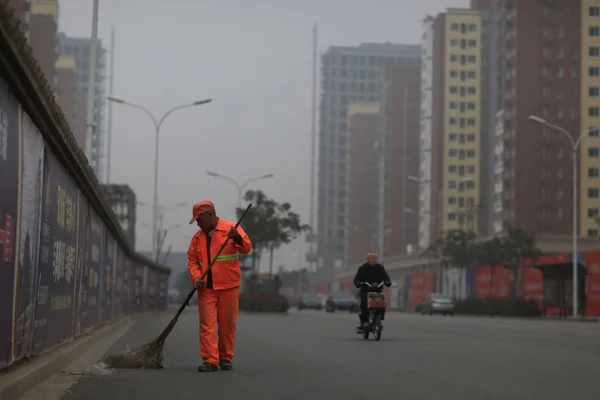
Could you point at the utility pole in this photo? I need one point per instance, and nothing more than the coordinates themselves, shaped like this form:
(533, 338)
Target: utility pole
(313, 144)
(91, 95)
(110, 103)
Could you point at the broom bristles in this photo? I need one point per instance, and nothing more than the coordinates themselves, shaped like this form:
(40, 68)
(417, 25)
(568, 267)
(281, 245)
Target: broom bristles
(148, 356)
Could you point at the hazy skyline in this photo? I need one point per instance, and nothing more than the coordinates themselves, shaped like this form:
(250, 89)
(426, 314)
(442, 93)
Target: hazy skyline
(255, 61)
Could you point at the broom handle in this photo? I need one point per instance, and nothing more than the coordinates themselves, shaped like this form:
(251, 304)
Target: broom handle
(189, 296)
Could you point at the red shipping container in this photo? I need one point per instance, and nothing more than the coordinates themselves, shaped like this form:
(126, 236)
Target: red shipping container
(348, 286)
(313, 288)
(421, 285)
(324, 288)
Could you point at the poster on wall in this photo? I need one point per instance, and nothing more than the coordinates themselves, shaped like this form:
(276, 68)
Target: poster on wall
(90, 279)
(119, 287)
(152, 289)
(108, 277)
(145, 294)
(30, 235)
(163, 279)
(56, 265)
(81, 261)
(458, 283)
(127, 290)
(9, 207)
(137, 284)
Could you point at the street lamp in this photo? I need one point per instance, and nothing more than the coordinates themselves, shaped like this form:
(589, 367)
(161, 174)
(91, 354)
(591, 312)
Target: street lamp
(161, 234)
(240, 188)
(575, 146)
(157, 124)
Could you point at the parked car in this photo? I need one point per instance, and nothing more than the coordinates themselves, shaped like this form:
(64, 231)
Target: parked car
(323, 299)
(310, 301)
(342, 301)
(437, 303)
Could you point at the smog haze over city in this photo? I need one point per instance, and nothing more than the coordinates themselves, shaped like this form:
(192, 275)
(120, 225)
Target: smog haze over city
(254, 59)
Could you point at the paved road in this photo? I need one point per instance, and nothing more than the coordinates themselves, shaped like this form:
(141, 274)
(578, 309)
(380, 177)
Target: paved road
(314, 355)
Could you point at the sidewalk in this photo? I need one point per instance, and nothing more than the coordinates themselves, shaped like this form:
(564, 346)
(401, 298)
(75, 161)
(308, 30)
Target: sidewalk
(68, 361)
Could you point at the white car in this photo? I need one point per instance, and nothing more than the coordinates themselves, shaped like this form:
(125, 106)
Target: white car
(323, 299)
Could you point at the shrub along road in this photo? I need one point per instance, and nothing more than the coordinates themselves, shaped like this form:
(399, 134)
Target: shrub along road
(312, 354)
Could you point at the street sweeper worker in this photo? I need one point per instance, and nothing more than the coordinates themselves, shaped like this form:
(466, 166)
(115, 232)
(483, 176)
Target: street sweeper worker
(219, 290)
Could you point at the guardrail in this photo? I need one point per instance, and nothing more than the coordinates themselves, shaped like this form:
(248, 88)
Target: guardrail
(66, 266)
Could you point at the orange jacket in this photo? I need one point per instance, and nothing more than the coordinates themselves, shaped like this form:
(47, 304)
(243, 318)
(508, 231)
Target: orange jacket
(226, 272)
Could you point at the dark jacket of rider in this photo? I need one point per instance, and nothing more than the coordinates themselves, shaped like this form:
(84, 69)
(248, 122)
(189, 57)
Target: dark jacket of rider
(372, 274)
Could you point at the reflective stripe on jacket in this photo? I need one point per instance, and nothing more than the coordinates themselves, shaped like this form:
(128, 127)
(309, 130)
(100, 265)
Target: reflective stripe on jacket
(226, 272)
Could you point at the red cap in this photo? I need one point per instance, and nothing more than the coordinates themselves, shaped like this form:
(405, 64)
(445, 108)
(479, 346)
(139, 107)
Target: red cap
(200, 208)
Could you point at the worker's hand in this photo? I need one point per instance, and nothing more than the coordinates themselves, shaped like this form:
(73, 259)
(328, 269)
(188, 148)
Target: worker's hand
(198, 283)
(388, 283)
(233, 234)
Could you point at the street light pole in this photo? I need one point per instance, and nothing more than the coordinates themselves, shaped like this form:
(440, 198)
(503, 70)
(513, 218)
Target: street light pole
(157, 126)
(575, 146)
(161, 215)
(240, 188)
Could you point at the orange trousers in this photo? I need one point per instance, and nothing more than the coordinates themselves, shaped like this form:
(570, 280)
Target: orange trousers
(217, 306)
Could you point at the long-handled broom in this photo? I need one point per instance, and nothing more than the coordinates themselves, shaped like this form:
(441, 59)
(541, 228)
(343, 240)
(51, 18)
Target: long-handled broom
(150, 355)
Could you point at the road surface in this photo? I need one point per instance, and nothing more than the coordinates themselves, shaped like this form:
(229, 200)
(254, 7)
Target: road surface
(314, 355)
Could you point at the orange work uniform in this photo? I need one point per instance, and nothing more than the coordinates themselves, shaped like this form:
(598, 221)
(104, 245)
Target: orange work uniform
(220, 295)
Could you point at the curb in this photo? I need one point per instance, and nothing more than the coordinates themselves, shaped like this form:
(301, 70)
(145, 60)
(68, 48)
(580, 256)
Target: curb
(28, 373)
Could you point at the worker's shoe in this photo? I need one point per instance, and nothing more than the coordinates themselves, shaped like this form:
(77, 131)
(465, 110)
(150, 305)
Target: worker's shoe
(208, 367)
(226, 365)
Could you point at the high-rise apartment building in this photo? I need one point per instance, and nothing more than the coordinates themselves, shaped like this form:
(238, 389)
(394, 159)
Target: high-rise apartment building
(80, 49)
(589, 114)
(362, 181)
(68, 98)
(349, 74)
(450, 123)
(42, 36)
(400, 123)
(542, 59)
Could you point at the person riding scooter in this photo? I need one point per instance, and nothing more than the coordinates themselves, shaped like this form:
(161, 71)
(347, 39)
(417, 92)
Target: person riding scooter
(371, 271)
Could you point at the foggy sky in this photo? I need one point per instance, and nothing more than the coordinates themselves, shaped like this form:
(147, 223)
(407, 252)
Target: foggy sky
(253, 58)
